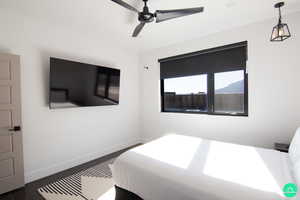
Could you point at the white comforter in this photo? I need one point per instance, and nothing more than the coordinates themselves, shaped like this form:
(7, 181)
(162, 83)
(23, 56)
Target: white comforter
(177, 167)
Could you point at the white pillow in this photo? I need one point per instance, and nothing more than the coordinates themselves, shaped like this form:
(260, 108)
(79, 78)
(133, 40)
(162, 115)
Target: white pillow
(294, 150)
(296, 172)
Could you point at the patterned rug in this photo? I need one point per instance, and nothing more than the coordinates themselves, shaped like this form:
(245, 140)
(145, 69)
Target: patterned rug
(94, 183)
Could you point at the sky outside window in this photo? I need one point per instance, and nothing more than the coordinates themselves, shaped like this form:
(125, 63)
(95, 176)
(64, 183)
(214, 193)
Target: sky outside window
(224, 79)
(186, 85)
(198, 83)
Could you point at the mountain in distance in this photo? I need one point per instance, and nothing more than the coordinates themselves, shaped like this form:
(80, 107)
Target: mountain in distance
(233, 88)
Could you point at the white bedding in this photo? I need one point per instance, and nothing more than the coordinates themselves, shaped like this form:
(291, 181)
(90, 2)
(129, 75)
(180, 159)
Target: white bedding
(178, 167)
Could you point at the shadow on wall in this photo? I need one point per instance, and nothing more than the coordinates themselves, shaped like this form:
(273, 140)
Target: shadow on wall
(45, 57)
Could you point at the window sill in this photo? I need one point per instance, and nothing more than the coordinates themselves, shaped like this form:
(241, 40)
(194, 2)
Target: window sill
(206, 113)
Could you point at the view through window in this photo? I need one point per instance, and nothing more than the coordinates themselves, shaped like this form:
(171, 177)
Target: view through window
(186, 94)
(215, 93)
(229, 92)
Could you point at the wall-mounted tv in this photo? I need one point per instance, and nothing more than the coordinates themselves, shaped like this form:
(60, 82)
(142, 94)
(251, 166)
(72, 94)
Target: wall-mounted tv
(74, 84)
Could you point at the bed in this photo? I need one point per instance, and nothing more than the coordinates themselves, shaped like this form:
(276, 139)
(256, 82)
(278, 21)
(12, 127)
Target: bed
(178, 167)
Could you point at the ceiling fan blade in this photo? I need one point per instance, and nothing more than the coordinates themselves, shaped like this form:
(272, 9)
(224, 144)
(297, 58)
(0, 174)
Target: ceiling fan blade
(138, 29)
(163, 15)
(126, 5)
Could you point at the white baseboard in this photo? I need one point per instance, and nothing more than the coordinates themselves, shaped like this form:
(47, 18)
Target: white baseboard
(58, 167)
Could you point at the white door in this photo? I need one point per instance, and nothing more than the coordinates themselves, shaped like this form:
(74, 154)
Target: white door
(11, 150)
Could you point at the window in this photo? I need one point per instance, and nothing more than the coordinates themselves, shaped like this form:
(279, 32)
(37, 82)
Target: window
(186, 94)
(210, 82)
(229, 94)
(222, 93)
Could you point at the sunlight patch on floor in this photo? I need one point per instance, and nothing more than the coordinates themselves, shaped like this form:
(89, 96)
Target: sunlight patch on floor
(109, 195)
(97, 187)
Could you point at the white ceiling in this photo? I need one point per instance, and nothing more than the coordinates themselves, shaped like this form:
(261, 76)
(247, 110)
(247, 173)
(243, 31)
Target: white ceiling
(107, 18)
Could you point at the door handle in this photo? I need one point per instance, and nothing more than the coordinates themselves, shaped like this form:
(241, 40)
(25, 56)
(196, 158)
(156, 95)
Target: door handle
(15, 128)
(10, 131)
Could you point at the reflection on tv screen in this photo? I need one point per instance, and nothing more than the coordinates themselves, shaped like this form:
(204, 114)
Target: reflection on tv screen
(74, 84)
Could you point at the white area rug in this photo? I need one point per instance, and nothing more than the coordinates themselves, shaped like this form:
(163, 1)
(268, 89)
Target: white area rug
(94, 183)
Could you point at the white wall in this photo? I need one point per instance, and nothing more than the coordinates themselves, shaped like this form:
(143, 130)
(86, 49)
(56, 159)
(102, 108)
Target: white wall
(55, 140)
(274, 95)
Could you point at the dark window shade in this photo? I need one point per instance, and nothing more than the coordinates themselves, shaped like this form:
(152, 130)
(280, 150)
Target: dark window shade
(220, 59)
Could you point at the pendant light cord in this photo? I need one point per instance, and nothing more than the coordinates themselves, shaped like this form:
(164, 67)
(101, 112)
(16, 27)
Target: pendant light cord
(279, 15)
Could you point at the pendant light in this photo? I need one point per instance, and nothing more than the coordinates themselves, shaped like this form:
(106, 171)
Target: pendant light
(281, 31)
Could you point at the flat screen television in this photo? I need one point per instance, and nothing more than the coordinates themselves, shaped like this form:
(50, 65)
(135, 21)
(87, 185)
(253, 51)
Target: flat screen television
(74, 84)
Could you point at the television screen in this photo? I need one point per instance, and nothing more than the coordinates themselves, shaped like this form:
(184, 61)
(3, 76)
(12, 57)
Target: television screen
(74, 84)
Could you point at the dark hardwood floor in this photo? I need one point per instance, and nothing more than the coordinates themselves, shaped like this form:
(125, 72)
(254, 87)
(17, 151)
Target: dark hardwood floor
(29, 192)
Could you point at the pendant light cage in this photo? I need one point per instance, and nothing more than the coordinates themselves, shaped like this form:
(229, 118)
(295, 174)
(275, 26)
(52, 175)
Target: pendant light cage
(281, 31)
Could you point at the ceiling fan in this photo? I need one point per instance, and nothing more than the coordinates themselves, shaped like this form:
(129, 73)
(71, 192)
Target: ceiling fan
(160, 15)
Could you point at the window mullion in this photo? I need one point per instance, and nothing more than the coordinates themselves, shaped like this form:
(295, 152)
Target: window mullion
(210, 92)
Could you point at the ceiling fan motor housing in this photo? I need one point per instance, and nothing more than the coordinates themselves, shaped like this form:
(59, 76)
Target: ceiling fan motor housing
(146, 16)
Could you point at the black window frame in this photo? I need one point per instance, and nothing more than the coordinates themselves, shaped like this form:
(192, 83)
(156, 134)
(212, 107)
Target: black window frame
(211, 95)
